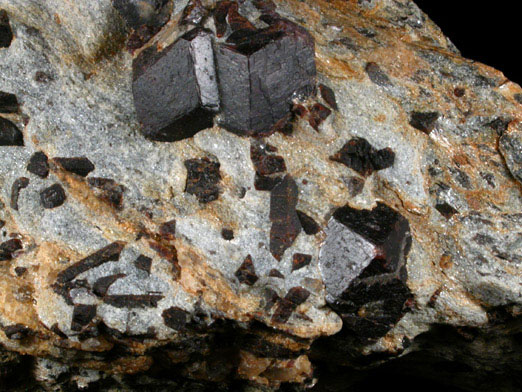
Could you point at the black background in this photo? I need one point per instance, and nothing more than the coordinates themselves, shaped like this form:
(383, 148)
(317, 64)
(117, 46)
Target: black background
(486, 31)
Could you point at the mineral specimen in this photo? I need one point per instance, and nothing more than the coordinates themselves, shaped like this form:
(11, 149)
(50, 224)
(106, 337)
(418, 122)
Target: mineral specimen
(254, 195)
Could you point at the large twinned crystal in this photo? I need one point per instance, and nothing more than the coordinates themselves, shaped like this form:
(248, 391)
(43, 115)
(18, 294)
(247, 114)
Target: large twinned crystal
(260, 73)
(256, 75)
(174, 88)
(363, 266)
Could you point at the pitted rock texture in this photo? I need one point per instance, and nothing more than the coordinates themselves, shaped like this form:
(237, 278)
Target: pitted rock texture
(253, 195)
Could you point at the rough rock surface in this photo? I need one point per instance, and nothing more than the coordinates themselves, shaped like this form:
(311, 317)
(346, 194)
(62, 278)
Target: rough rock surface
(372, 222)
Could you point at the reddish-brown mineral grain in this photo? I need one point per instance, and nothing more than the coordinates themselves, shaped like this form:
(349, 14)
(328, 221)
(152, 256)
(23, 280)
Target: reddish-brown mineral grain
(285, 222)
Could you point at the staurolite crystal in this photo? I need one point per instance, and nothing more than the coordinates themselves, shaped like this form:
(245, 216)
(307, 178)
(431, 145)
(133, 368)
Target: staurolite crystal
(256, 75)
(283, 215)
(6, 34)
(174, 89)
(260, 72)
(363, 265)
(10, 134)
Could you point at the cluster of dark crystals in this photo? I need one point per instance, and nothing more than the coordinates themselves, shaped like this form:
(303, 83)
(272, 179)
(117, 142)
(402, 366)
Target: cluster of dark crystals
(362, 157)
(202, 179)
(83, 315)
(54, 196)
(246, 74)
(267, 165)
(377, 299)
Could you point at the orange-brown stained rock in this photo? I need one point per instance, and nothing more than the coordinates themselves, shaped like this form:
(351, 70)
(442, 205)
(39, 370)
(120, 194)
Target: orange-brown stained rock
(350, 13)
(110, 191)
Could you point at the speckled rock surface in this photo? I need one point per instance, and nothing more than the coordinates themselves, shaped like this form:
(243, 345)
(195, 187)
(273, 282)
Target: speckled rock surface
(377, 225)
